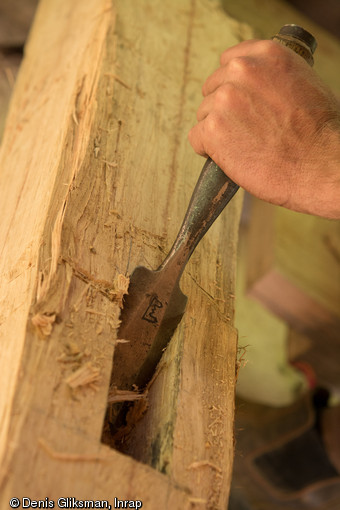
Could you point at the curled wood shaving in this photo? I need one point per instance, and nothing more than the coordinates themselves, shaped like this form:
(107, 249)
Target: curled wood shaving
(43, 322)
(88, 374)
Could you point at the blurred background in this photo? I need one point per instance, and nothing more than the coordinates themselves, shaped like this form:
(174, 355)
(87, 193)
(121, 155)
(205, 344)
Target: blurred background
(287, 301)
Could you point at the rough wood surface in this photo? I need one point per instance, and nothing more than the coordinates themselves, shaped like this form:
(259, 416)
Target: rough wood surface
(96, 173)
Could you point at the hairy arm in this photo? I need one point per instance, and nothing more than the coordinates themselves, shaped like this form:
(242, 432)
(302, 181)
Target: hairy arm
(272, 125)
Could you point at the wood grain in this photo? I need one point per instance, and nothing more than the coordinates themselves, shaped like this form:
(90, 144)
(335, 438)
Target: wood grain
(96, 140)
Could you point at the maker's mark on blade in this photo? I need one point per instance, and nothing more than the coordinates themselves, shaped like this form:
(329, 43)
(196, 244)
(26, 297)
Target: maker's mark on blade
(150, 313)
(152, 310)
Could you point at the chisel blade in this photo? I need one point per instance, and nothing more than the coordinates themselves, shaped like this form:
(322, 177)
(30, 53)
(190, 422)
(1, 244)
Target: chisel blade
(152, 310)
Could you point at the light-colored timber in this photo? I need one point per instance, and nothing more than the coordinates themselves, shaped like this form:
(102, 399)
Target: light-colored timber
(95, 175)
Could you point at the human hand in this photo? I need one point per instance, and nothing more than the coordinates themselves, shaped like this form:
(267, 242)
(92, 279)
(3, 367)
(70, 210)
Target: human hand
(271, 124)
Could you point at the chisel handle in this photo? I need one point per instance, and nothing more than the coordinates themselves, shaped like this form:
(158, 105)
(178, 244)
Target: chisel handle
(214, 189)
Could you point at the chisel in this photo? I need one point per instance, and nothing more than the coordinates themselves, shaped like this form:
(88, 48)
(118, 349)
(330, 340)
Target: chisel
(155, 303)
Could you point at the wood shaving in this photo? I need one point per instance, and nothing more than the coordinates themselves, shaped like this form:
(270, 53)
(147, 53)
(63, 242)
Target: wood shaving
(43, 322)
(112, 292)
(88, 374)
(44, 282)
(64, 358)
(95, 312)
(116, 395)
(119, 80)
(204, 463)
(113, 164)
(72, 348)
(134, 414)
(122, 285)
(73, 353)
(198, 501)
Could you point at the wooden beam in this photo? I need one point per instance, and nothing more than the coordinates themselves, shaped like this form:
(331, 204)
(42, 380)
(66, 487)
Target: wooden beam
(9, 65)
(96, 173)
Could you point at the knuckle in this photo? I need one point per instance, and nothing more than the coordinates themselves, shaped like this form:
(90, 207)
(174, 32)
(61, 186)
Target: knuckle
(213, 124)
(240, 67)
(222, 96)
(226, 96)
(270, 48)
